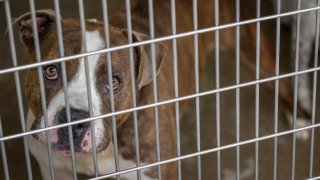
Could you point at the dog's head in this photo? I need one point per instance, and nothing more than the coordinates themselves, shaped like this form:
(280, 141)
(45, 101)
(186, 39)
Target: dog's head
(77, 77)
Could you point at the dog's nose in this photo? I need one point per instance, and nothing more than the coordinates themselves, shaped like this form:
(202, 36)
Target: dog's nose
(77, 130)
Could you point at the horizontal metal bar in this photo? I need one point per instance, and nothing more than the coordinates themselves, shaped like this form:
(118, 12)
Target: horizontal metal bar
(211, 151)
(4, 155)
(166, 38)
(228, 88)
(314, 178)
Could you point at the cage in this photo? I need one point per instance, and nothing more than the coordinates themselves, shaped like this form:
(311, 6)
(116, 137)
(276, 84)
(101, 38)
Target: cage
(200, 89)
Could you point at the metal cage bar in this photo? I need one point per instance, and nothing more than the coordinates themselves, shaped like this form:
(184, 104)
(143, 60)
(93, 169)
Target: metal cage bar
(154, 83)
(217, 64)
(133, 90)
(237, 89)
(41, 84)
(88, 84)
(3, 155)
(295, 96)
(176, 83)
(109, 67)
(18, 87)
(196, 77)
(257, 98)
(314, 91)
(181, 98)
(156, 40)
(276, 94)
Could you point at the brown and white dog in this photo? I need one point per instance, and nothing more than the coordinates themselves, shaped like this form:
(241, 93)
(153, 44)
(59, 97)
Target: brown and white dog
(77, 89)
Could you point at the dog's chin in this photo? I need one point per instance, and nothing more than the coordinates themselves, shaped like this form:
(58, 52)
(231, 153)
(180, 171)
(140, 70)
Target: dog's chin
(64, 150)
(67, 153)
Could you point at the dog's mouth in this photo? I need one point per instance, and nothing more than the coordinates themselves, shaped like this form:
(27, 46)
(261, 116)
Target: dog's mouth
(60, 143)
(64, 150)
(76, 138)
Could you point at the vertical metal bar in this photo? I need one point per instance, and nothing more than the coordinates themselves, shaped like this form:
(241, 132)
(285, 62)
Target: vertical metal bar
(257, 91)
(314, 91)
(74, 172)
(42, 91)
(88, 83)
(238, 90)
(64, 78)
(18, 88)
(295, 93)
(176, 84)
(3, 155)
(109, 66)
(196, 74)
(217, 58)
(154, 83)
(276, 96)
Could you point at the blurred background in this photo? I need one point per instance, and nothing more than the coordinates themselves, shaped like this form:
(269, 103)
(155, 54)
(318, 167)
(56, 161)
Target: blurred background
(11, 123)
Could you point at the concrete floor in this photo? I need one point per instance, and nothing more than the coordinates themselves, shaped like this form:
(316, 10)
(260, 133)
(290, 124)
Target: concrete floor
(15, 153)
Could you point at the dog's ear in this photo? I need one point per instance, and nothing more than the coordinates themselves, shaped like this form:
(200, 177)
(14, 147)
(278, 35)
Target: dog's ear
(144, 62)
(45, 19)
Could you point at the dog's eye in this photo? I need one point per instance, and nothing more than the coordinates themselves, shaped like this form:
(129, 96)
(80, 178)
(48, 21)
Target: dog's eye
(115, 83)
(51, 72)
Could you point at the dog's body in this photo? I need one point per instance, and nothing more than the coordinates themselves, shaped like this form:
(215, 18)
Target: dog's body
(99, 85)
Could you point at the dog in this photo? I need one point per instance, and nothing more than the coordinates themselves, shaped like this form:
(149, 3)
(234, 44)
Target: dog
(121, 85)
(306, 43)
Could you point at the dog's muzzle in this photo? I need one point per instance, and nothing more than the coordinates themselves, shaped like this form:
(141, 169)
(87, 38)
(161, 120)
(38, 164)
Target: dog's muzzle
(78, 130)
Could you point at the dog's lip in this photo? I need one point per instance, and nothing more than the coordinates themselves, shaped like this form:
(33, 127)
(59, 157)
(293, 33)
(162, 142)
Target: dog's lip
(65, 151)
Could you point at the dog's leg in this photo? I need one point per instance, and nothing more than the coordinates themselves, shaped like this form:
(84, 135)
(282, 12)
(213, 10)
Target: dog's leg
(307, 36)
(304, 52)
(147, 141)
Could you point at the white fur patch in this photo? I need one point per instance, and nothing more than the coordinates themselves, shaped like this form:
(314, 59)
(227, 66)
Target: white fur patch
(246, 172)
(77, 91)
(304, 93)
(307, 38)
(92, 20)
(300, 123)
(127, 164)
